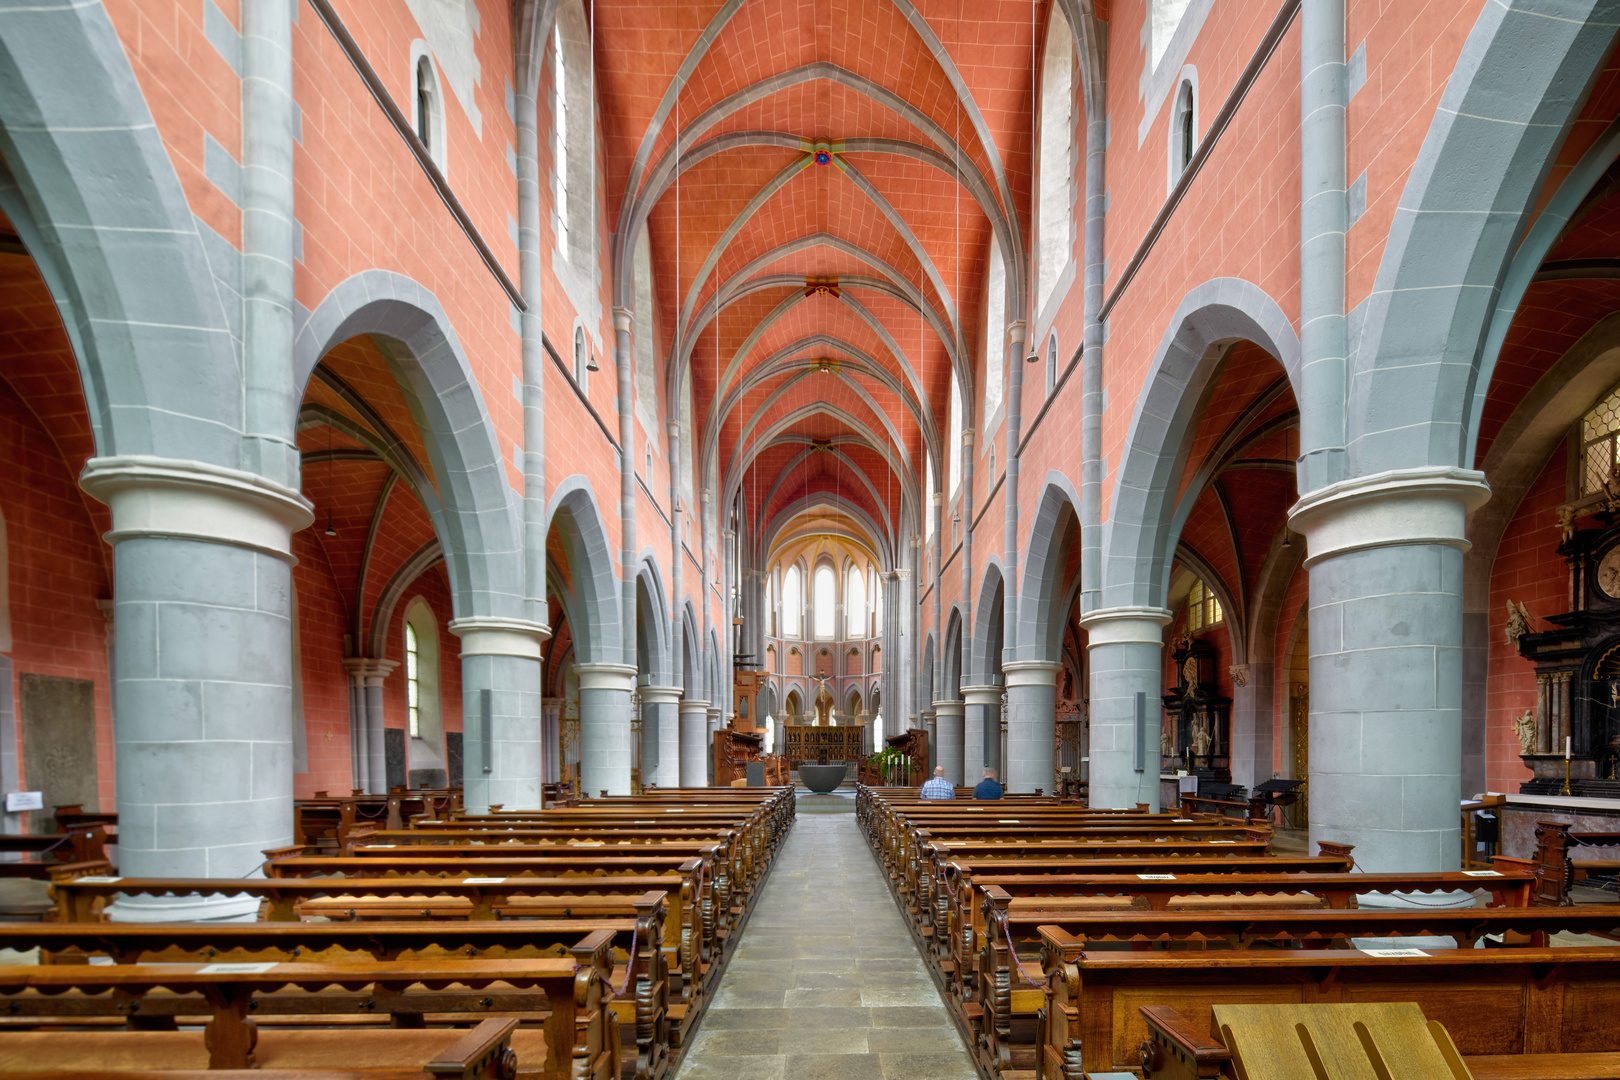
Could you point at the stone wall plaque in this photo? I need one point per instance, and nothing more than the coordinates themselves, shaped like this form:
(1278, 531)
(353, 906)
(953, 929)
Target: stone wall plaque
(427, 778)
(452, 755)
(394, 756)
(59, 743)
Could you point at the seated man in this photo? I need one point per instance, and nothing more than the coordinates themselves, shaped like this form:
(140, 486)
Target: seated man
(988, 788)
(937, 787)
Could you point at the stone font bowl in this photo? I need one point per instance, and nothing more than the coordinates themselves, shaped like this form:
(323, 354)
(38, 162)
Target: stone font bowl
(822, 778)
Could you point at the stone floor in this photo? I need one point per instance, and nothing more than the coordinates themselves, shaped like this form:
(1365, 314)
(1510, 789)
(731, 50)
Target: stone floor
(826, 981)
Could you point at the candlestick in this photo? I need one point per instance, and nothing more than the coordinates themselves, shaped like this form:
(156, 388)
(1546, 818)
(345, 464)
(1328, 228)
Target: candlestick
(1566, 747)
(1566, 790)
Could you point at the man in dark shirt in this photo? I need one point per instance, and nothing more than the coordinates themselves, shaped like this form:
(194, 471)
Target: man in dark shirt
(988, 788)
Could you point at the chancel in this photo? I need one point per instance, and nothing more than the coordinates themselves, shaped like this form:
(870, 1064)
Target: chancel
(525, 522)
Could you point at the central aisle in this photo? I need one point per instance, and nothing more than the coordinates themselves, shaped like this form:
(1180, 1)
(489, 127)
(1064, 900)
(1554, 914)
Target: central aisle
(826, 982)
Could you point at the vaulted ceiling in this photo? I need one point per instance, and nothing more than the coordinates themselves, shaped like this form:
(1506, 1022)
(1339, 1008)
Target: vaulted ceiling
(821, 181)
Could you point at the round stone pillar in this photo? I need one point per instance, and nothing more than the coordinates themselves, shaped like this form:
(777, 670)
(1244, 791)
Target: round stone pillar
(694, 753)
(1031, 725)
(501, 721)
(202, 595)
(661, 732)
(948, 719)
(604, 727)
(981, 732)
(1385, 557)
(1125, 648)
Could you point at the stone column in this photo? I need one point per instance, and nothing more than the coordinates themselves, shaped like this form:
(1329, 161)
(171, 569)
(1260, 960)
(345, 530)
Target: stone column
(948, 745)
(203, 673)
(981, 732)
(550, 739)
(1031, 724)
(1386, 575)
(660, 731)
(367, 676)
(1125, 648)
(1252, 723)
(604, 728)
(500, 712)
(715, 723)
(694, 753)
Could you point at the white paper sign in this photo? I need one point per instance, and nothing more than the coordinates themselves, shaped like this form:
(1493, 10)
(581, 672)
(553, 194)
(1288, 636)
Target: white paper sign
(1182, 821)
(1483, 873)
(1394, 952)
(18, 801)
(96, 879)
(379, 845)
(1223, 841)
(1008, 821)
(1157, 877)
(235, 969)
(483, 881)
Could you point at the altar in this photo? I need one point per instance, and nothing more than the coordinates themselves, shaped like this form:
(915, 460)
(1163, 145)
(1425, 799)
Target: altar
(813, 743)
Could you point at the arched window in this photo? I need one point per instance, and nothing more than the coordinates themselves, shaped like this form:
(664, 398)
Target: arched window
(770, 604)
(1057, 169)
(427, 104)
(880, 608)
(422, 715)
(995, 339)
(582, 356)
(1203, 609)
(1600, 432)
(1051, 363)
(792, 603)
(1183, 127)
(825, 600)
(855, 604)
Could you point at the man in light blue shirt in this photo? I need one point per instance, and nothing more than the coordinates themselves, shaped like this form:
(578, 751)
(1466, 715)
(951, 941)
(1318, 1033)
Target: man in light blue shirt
(937, 787)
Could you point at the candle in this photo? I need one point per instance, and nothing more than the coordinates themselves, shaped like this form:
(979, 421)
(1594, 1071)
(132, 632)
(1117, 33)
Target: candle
(1566, 747)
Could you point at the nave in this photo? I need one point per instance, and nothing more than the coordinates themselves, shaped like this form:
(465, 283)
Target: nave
(825, 981)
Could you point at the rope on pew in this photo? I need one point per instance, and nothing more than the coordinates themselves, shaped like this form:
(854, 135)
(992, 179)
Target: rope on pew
(1006, 933)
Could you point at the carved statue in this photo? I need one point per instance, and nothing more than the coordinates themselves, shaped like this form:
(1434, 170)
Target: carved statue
(1566, 522)
(1189, 672)
(1200, 736)
(1611, 489)
(1167, 747)
(1518, 622)
(1525, 728)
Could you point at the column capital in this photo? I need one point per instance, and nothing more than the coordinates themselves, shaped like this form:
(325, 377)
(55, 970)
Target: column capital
(899, 573)
(661, 695)
(1016, 331)
(692, 706)
(606, 676)
(488, 636)
(370, 671)
(1428, 505)
(948, 708)
(672, 427)
(1125, 625)
(981, 695)
(967, 436)
(193, 500)
(621, 319)
(1031, 673)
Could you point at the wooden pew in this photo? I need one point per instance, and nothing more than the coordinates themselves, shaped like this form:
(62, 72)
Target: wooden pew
(577, 1037)
(84, 845)
(1494, 1002)
(689, 950)
(630, 951)
(1021, 902)
(483, 1053)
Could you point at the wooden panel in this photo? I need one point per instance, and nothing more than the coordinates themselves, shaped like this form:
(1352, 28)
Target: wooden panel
(1196, 1004)
(1589, 1020)
(1483, 1017)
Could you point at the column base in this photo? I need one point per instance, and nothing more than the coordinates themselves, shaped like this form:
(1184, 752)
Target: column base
(193, 908)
